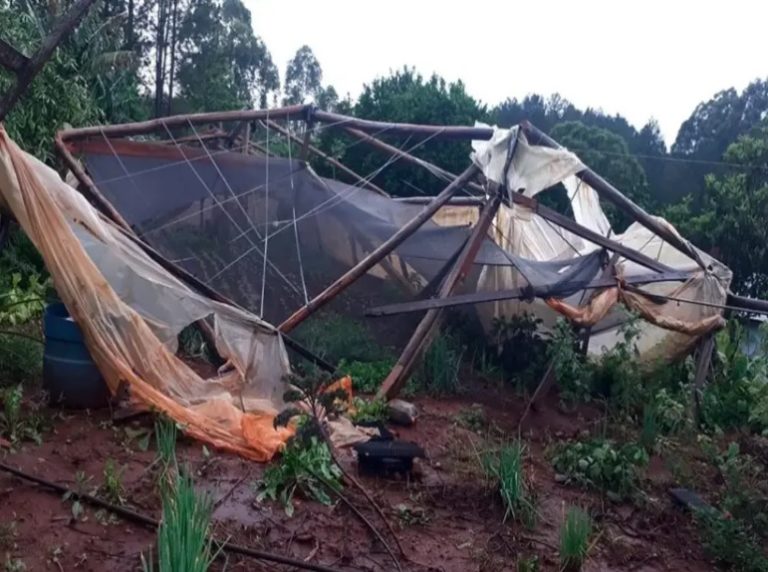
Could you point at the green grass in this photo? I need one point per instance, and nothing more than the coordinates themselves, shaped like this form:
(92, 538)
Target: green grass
(505, 469)
(112, 485)
(440, 369)
(183, 543)
(575, 533)
(165, 436)
(18, 425)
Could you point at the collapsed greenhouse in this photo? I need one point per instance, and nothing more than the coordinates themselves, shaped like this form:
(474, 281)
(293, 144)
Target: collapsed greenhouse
(195, 220)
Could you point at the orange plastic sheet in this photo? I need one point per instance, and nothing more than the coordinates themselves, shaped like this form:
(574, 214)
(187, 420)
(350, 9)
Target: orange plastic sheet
(662, 315)
(134, 343)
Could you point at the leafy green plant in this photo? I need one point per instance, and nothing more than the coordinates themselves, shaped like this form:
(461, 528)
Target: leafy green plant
(20, 303)
(575, 533)
(439, 372)
(82, 484)
(165, 436)
(730, 543)
(304, 467)
(737, 397)
(505, 469)
(366, 375)
(472, 418)
(570, 366)
(338, 337)
(369, 411)
(649, 433)
(528, 564)
(520, 346)
(112, 484)
(15, 424)
(14, 564)
(409, 515)
(183, 541)
(602, 465)
(21, 358)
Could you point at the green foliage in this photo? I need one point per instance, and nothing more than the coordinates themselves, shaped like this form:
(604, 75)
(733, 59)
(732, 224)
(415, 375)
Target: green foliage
(440, 367)
(570, 366)
(306, 467)
(21, 359)
(22, 302)
(112, 484)
(601, 464)
(472, 418)
(505, 470)
(369, 411)
(183, 543)
(575, 533)
(728, 219)
(609, 155)
(406, 96)
(18, 425)
(737, 397)
(366, 375)
(521, 348)
(529, 564)
(13, 564)
(336, 337)
(730, 544)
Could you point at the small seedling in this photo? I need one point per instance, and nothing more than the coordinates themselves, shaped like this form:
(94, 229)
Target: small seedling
(472, 418)
(8, 534)
(183, 542)
(411, 515)
(14, 564)
(112, 486)
(165, 435)
(505, 470)
(574, 539)
(530, 564)
(81, 487)
(13, 423)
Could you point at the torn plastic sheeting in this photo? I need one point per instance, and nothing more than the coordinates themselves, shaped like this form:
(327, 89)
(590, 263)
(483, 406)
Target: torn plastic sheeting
(120, 339)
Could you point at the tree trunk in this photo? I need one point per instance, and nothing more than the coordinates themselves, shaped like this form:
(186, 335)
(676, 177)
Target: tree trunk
(174, 25)
(160, 56)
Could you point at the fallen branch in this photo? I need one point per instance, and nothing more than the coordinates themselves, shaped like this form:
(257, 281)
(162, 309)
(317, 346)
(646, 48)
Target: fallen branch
(134, 516)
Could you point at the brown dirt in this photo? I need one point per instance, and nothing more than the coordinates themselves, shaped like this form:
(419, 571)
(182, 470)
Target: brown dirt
(458, 525)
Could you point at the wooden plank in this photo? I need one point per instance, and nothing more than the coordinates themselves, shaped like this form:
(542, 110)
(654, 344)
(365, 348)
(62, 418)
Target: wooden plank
(424, 333)
(349, 277)
(542, 291)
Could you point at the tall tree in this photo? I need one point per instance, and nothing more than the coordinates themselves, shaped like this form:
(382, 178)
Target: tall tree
(303, 77)
(608, 154)
(406, 96)
(730, 222)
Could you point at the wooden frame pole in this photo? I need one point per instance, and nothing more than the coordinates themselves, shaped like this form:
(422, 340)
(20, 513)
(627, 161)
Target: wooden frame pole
(344, 281)
(424, 333)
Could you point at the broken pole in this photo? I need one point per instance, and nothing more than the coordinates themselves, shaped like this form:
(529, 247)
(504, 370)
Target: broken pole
(379, 253)
(703, 363)
(424, 333)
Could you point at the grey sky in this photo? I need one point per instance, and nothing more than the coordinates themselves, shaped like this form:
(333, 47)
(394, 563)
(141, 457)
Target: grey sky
(641, 59)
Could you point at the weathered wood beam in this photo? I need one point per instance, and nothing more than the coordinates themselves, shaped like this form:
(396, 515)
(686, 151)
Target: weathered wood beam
(438, 131)
(349, 277)
(541, 291)
(424, 333)
(27, 73)
(159, 124)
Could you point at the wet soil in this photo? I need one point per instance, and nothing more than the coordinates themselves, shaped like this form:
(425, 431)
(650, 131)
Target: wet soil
(444, 514)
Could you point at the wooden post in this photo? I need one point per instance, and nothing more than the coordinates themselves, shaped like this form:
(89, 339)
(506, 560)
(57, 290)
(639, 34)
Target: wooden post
(703, 362)
(27, 70)
(330, 160)
(424, 333)
(379, 253)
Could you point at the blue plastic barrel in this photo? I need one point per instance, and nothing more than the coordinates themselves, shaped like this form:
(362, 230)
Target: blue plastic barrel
(70, 376)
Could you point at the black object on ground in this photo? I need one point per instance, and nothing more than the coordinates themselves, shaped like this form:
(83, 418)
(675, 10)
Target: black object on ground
(383, 457)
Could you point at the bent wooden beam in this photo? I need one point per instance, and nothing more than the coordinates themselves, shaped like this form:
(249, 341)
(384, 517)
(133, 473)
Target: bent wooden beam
(379, 253)
(425, 332)
(541, 291)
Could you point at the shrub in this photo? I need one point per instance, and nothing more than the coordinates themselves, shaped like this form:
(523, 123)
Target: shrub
(306, 467)
(574, 539)
(521, 348)
(602, 465)
(337, 338)
(729, 543)
(21, 359)
(440, 368)
(505, 470)
(366, 376)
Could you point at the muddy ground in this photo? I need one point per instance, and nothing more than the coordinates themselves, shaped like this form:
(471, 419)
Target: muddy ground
(445, 515)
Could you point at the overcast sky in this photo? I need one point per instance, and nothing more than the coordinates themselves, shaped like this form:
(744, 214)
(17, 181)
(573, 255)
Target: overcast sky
(642, 59)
